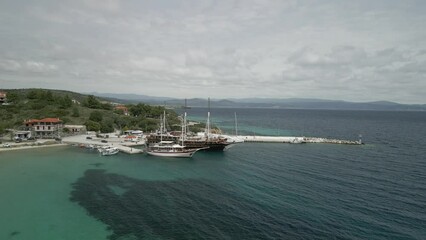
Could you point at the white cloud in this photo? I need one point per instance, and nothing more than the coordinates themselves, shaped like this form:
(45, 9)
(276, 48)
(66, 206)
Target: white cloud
(9, 65)
(358, 50)
(40, 67)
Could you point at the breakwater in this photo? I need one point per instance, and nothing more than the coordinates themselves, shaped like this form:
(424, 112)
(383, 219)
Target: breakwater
(281, 139)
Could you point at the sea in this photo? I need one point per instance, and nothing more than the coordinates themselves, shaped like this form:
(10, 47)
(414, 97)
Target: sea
(251, 191)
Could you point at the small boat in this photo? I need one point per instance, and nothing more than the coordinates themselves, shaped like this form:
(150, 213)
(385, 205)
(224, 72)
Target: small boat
(298, 140)
(90, 146)
(108, 151)
(102, 148)
(170, 149)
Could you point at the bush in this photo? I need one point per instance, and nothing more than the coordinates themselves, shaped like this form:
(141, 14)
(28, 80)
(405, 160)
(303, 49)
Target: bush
(61, 113)
(106, 106)
(96, 116)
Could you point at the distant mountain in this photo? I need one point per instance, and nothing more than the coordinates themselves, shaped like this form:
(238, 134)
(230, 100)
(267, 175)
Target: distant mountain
(286, 103)
(132, 97)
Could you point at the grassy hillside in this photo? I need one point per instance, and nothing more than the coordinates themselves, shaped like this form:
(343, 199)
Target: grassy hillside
(73, 108)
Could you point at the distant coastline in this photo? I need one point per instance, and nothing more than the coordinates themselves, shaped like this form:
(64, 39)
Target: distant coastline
(270, 103)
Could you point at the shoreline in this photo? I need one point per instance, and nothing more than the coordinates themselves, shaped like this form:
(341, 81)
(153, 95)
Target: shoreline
(32, 147)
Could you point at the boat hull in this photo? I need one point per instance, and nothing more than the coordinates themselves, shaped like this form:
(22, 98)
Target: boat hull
(206, 145)
(171, 154)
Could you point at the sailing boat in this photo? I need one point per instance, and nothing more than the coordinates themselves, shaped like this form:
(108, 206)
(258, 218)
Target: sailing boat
(232, 139)
(235, 138)
(206, 141)
(170, 148)
(212, 142)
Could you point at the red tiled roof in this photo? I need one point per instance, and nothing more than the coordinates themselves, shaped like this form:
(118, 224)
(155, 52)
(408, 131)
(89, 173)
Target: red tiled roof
(121, 107)
(44, 120)
(2, 94)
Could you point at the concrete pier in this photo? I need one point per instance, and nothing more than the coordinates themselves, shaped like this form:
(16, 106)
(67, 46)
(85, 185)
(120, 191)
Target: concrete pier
(126, 147)
(278, 139)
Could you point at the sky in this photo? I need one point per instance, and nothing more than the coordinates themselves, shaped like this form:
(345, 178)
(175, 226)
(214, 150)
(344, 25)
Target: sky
(330, 49)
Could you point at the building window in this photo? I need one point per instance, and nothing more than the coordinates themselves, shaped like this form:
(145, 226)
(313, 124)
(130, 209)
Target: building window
(48, 128)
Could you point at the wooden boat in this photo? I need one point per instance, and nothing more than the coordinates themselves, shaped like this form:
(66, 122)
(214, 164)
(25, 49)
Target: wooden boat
(171, 149)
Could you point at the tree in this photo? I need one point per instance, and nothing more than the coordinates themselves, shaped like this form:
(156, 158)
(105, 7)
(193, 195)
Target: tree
(2, 129)
(65, 102)
(107, 126)
(119, 111)
(96, 116)
(106, 106)
(75, 112)
(92, 102)
(33, 94)
(93, 126)
(12, 97)
(60, 112)
(48, 96)
(148, 124)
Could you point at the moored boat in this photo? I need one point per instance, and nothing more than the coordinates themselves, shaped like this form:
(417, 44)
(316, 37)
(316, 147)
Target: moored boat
(108, 150)
(206, 141)
(208, 144)
(171, 149)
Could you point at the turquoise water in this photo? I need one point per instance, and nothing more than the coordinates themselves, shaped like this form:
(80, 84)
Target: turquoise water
(251, 191)
(35, 187)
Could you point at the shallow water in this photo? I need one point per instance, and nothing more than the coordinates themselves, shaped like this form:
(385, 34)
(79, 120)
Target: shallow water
(251, 191)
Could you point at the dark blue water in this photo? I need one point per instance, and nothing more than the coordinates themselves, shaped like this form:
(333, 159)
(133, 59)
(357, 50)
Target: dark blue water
(375, 191)
(251, 191)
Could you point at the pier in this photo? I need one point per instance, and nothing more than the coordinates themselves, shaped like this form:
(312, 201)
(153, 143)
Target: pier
(129, 147)
(126, 147)
(278, 139)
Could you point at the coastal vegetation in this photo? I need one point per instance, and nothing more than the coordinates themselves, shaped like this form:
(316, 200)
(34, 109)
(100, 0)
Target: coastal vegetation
(98, 114)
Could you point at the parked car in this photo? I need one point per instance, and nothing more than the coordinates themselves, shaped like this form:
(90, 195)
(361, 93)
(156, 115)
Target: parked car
(104, 141)
(88, 137)
(6, 145)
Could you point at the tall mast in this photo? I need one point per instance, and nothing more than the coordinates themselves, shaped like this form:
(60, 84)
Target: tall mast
(208, 121)
(185, 129)
(164, 122)
(186, 126)
(161, 128)
(236, 125)
(183, 125)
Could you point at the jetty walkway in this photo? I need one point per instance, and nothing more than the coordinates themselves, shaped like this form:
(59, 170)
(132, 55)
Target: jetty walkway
(278, 139)
(126, 147)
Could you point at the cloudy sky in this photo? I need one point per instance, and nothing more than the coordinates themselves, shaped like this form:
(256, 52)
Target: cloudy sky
(330, 49)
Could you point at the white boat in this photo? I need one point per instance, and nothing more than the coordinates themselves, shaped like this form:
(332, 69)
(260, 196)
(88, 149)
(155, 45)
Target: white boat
(298, 140)
(102, 148)
(108, 151)
(170, 149)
